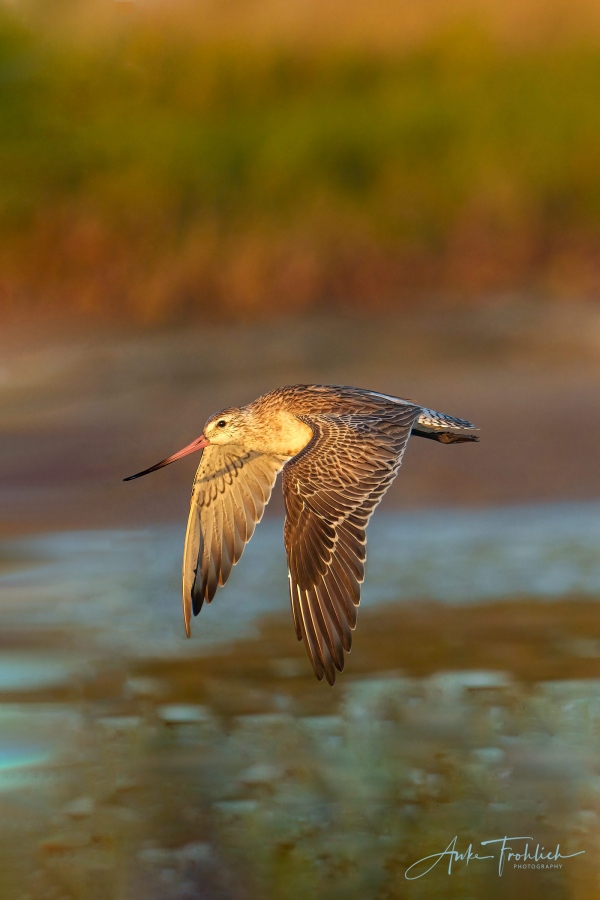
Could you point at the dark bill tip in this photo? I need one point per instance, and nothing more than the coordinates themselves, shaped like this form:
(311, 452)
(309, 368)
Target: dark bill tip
(198, 444)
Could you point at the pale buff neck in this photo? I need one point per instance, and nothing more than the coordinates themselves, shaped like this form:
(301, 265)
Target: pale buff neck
(279, 432)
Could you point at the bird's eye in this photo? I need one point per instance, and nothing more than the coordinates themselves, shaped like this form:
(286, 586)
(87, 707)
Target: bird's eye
(221, 423)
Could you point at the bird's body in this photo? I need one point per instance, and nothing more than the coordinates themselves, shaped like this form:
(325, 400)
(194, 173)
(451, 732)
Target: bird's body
(340, 448)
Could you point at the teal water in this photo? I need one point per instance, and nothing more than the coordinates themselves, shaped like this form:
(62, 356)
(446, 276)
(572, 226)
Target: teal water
(121, 589)
(121, 777)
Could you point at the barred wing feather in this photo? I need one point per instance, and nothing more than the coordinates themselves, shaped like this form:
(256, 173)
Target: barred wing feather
(231, 489)
(331, 489)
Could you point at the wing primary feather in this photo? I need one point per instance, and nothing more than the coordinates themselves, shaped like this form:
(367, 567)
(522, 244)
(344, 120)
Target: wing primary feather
(350, 561)
(313, 655)
(327, 628)
(309, 557)
(226, 560)
(350, 608)
(217, 542)
(191, 554)
(200, 593)
(346, 578)
(250, 509)
(228, 532)
(212, 582)
(323, 629)
(311, 626)
(337, 615)
(324, 640)
(240, 523)
(295, 617)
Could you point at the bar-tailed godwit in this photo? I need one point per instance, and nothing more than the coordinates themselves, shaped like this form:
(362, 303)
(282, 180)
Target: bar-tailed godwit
(340, 448)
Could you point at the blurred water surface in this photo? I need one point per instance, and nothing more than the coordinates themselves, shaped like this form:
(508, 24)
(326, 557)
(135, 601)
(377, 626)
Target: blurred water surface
(124, 585)
(134, 762)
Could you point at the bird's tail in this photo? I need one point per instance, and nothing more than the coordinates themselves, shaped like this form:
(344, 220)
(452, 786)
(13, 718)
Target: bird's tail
(443, 428)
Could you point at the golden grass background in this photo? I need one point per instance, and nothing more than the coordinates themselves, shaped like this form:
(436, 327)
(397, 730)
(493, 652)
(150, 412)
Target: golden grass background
(164, 163)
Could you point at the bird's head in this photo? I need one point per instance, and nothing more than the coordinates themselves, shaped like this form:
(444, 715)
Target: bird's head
(229, 426)
(284, 435)
(275, 431)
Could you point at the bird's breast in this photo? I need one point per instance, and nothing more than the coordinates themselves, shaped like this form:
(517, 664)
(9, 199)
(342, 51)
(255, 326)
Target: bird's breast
(288, 435)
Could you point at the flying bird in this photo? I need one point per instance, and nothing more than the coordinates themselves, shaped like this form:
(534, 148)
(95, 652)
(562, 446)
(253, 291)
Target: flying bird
(339, 448)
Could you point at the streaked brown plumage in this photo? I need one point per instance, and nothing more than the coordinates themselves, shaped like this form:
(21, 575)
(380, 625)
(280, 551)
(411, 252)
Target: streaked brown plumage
(340, 448)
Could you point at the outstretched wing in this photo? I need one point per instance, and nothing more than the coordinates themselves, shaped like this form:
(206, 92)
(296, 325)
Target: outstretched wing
(331, 490)
(231, 489)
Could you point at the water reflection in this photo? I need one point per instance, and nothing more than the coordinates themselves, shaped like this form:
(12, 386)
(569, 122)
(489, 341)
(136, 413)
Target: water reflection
(136, 763)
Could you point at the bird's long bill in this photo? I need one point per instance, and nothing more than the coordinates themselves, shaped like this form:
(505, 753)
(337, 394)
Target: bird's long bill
(198, 444)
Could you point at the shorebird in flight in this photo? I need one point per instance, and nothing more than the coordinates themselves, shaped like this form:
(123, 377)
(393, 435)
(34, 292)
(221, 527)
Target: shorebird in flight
(340, 448)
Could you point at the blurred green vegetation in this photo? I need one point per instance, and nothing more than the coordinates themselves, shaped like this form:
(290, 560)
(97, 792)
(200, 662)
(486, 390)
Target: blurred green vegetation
(151, 174)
